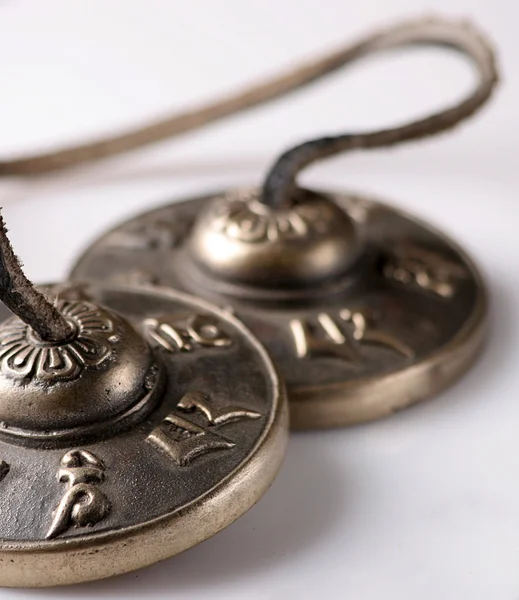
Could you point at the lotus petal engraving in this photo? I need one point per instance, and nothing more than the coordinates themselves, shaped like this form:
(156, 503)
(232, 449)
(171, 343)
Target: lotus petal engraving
(23, 355)
(243, 217)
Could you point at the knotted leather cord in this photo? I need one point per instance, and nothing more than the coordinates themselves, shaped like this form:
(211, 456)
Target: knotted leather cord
(436, 31)
(17, 292)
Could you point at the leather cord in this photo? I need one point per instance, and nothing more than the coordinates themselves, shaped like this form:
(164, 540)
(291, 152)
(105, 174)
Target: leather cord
(22, 298)
(463, 37)
(459, 35)
(17, 292)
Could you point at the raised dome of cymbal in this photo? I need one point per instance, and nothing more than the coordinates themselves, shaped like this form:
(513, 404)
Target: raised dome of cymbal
(239, 239)
(101, 375)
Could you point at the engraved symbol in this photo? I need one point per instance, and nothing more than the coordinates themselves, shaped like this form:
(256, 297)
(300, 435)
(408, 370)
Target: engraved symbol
(23, 355)
(184, 440)
(413, 266)
(241, 216)
(185, 334)
(343, 342)
(335, 343)
(83, 504)
(157, 232)
(135, 277)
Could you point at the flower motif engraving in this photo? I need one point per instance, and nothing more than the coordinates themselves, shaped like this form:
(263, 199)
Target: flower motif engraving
(241, 216)
(23, 355)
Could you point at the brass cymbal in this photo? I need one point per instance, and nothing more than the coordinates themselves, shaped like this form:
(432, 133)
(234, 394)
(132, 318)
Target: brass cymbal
(363, 308)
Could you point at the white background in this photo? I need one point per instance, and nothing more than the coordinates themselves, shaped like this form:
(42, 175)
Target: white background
(424, 505)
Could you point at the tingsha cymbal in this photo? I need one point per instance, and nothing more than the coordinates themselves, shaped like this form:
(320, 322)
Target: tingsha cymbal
(149, 422)
(364, 309)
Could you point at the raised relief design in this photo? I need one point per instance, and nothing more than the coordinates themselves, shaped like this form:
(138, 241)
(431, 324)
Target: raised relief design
(153, 232)
(342, 336)
(22, 355)
(83, 504)
(416, 267)
(183, 439)
(135, 277)
(241, 216)
(185, 333)
(332, 341)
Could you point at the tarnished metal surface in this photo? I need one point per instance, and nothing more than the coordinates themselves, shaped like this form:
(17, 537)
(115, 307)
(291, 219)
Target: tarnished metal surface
(95, 501)
(395, 326)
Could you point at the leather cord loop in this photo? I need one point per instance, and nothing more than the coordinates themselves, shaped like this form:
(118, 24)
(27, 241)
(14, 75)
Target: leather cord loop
(459, 35)
(463, 37)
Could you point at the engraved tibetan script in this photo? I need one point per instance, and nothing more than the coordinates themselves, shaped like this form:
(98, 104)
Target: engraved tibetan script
(154, 232)
(413, 266)
(141, 277)
(342, 336)
(185, 333)
(83, 504)
(184, 439)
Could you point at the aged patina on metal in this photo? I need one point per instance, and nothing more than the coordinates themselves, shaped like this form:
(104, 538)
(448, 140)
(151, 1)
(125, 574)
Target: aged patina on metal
(397, 315)
(135, 423)
(364, 309)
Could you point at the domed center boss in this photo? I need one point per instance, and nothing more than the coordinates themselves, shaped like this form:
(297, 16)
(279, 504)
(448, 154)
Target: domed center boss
(134, 424)
(137, 421)
(240, 239)
(364, 309)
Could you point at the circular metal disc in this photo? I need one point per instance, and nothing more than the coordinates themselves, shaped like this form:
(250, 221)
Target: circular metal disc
(405, 325)
(78, 510)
